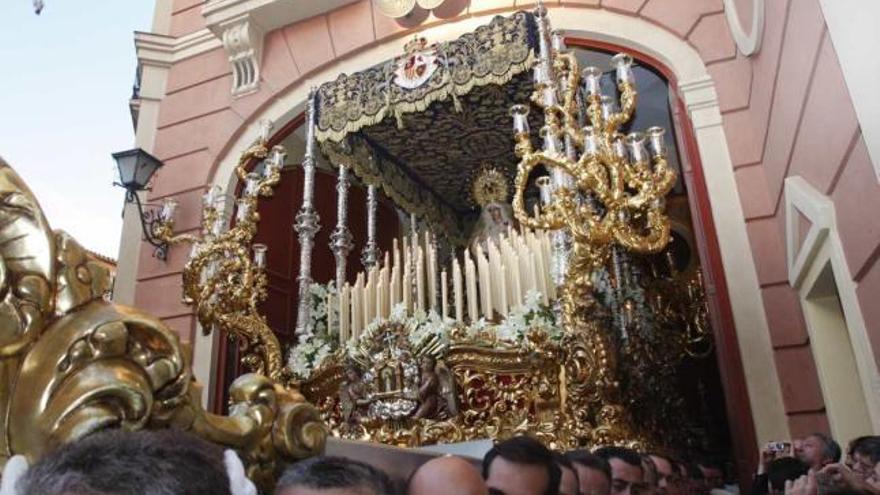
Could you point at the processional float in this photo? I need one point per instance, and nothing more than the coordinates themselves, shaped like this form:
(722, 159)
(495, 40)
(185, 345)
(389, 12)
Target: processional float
(542, 327)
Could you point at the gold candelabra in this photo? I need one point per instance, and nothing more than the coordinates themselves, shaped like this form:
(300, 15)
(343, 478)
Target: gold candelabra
(225, 278)
(604, 189)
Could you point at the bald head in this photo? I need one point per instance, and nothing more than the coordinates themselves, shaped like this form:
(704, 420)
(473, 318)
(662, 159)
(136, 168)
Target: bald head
(444, 475)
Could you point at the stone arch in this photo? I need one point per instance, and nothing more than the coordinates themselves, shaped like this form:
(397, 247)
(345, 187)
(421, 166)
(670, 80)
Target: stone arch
(668, 43)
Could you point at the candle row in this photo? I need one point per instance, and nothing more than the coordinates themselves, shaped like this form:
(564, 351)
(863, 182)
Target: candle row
(488, 282)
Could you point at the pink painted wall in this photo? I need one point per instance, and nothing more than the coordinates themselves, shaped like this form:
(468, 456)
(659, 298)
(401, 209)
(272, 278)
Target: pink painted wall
(786, 112)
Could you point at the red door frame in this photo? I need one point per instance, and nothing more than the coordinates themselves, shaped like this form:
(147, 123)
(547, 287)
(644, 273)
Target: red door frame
(739, 411)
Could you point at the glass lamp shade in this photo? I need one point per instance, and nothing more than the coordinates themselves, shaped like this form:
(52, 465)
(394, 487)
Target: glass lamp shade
(136, 168)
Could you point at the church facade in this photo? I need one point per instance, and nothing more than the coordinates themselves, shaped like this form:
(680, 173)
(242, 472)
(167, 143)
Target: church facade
(778, 151)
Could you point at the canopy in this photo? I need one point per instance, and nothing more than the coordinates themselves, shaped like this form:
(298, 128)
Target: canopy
(421, 125)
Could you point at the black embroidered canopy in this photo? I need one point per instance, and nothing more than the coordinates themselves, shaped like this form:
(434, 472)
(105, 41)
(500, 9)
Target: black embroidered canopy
(419, 128)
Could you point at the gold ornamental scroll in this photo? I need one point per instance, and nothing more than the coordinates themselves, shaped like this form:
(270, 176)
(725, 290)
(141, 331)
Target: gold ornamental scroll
(72, 363)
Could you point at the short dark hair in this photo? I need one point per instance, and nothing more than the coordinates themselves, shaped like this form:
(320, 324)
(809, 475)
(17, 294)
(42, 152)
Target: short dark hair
(868, 447)
(626, 455)
(784, 469)
(160, 462)
(709, 462)
(694, 471)
(525, 450)
(588, 459)
(564, 462)
(830, 448)
(335, 472)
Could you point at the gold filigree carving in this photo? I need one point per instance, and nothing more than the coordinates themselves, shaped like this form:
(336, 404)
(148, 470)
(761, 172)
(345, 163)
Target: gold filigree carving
(72, 363)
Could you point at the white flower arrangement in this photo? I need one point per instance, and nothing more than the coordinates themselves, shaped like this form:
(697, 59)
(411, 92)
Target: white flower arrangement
(317, 342)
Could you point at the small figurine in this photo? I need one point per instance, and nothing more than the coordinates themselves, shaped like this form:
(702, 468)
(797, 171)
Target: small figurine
(429, 390)
(352, 395)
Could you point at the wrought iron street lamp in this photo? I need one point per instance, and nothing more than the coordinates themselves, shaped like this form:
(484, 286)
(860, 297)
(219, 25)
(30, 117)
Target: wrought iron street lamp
(136, 168)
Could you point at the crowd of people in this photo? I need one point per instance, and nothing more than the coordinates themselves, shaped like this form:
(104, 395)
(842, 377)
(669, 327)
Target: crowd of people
(175, 463)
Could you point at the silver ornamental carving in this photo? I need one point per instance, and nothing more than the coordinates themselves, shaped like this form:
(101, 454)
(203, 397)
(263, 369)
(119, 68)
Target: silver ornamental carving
(307, 220)
(341, 238)
(370, 253)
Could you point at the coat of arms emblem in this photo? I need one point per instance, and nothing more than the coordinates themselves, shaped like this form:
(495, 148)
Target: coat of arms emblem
(417, 66)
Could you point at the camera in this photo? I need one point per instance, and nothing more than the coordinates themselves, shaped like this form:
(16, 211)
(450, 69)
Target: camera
(778, 446)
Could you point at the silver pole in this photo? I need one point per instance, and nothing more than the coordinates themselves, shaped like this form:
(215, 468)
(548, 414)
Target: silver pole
(307, 220)
(340, 239)
(370, 253)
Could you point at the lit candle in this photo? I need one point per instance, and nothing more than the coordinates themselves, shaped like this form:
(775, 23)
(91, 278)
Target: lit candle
(592, 77)
(265, 128)
(549, 96)
(636, 143)
(241, 213)
(545, 188)
(557, 40)
(520, 114)
(502, 304)
(470, 273)
(406, 287)
(457, 291)
(420, 279)
(379, 294)
(394, 286)
(591, 141)
(259, 255)
(485, 284)
(607, 107)
(622, 64)
(541, 73)
(619, 148)
(656, 141)
(444, 296)
(169, 206)
(343, 317)
(357, 300)
(432, 272)
(210, 197)
(552, 145)
(251, 184)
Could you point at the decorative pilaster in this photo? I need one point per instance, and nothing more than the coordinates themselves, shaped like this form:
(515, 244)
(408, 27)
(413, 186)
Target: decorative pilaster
(341, 238)
(370, 253)
(307, 221)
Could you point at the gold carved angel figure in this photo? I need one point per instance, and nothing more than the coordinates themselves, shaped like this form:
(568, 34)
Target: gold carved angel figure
(490, 191)
(353, 396)
(436, 390)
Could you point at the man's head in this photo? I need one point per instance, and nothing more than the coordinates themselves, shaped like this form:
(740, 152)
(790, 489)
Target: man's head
(818, 450)
(713, 473)
(569, 484)
(865, 455)
(784, 469)
(444, 475)
(333, 476)
(669, 478)
(521, 466)
(696, 480)
(627, 475)
(135, 463)
(594, 473)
